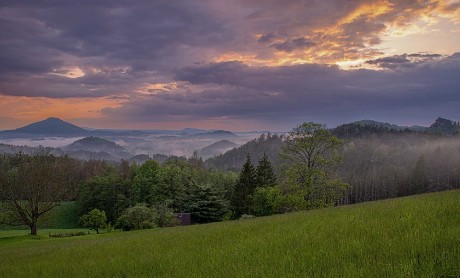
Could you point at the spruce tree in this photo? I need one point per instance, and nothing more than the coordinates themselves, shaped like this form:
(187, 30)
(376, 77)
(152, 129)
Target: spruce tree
(206, 203)
(244, 188)
(265, 175)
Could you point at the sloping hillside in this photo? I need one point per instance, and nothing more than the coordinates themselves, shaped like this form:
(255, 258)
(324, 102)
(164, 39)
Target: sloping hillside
(413, 236)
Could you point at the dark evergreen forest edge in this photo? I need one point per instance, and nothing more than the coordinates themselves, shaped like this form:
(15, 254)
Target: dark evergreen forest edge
(310, 167)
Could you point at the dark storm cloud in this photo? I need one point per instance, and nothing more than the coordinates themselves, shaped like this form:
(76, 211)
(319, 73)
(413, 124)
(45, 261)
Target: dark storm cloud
(46, 37)
(295, 93)
(404, 60)
(267, 38)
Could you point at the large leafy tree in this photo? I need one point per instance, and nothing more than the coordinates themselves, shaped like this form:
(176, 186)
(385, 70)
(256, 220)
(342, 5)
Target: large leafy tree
(244, 188)
(311, 156)
(31, 186)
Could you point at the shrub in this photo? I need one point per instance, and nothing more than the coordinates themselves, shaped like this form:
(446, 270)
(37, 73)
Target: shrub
(67, 234)
(165, 216)
(137, 218)
(94, 220)
(264, 201)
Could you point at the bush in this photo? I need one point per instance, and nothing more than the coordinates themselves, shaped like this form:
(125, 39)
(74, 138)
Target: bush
(290, 202)
(137, 218)
(264, 201)
(165, 216)
(143, 217)
(94, 220)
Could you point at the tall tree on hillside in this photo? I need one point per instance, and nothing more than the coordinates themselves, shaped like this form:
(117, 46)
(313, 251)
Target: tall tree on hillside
(36, 184)
(244, 188)
(265, 175)
(311, 155)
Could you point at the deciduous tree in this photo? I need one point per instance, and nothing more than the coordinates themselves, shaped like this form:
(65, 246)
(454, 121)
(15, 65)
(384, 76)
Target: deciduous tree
(311, 155)
(94, 220)
(33, 185)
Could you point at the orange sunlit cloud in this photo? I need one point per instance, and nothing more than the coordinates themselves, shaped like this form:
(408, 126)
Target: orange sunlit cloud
(364, 33)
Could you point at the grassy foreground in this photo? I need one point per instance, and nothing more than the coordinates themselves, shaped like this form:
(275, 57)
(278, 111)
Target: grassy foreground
(414, 236)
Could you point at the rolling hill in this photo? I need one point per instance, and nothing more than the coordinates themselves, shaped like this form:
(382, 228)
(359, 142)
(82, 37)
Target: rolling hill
(217, 148)
(95, 144)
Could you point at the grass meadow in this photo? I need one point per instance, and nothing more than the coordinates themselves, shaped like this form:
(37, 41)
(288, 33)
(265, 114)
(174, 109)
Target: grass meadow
(416, 236)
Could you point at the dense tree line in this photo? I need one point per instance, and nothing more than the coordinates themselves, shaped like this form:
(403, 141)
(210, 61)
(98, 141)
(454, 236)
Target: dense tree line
(181, 186)
(378, 162)
(392, 166)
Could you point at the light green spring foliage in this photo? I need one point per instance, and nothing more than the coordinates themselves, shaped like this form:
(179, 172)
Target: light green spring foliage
(94, 220)
(311, 157)
(408, 237)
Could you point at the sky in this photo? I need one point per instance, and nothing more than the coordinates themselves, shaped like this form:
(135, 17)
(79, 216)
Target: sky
(228, 64)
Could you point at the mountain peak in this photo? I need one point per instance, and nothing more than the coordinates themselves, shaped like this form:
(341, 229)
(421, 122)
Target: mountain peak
(50, 127)
(53, 119)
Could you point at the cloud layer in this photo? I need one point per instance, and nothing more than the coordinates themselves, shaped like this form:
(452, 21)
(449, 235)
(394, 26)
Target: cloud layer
(240, 63)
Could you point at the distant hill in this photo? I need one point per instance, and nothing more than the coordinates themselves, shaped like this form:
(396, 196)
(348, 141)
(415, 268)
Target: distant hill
(140, 158)
(444, 127)
(94, 144)
(217, 148)
(365, 128)
(192, 131)
(222, 134)
(234, 159)
(51, 127)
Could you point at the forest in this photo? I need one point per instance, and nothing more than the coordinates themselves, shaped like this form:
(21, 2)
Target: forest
(308, 168)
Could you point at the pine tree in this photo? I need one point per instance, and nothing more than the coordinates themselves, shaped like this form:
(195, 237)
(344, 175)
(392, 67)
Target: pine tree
(244, 188)
(265, 175)
(206, 203)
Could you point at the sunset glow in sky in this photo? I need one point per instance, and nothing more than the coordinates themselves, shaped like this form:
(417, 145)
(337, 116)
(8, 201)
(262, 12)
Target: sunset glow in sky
(233, 64)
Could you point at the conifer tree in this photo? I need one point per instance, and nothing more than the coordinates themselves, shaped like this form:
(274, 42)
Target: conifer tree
(265, 175)
(244, 188)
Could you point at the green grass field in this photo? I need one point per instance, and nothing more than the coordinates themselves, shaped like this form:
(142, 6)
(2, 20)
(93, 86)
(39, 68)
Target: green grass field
(414, 236)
